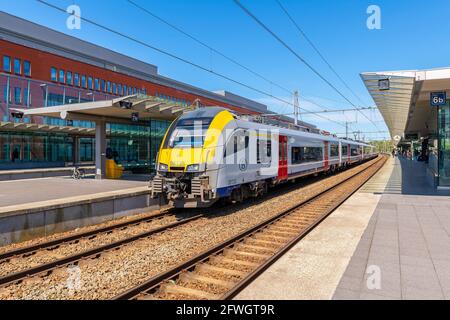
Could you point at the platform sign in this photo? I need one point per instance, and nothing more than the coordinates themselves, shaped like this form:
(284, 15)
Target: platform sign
(438, 99)
(384, 84)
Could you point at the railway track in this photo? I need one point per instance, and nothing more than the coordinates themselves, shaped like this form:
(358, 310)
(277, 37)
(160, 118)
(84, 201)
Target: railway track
(43, 258)
(224, 270)
(50, 246)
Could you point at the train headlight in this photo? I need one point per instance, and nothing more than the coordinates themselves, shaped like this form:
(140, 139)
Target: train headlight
(163, 167)
(193, 168)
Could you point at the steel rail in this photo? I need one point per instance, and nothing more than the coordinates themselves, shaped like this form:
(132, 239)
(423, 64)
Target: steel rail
(57, 242)
(97, 251)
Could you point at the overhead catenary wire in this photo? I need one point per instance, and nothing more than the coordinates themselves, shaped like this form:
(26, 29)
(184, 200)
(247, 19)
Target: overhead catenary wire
(174, 56)
(302, 32)
(306, 63)
(209, 47)
(202, 43)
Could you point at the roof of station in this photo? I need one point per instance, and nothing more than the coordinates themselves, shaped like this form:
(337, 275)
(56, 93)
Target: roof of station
(403, 103)
(116, 110)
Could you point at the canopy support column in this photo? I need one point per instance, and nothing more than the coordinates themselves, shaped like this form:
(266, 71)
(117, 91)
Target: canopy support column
(100, 149)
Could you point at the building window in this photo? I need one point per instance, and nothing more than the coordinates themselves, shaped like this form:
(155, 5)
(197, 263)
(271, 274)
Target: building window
(109, 86)
(17, 95)
(17, 66)
(69, 78)
(114, 88)
(62, 78)
(83, 81)
(97, 84)
(119, 87)
(53, 74)
(27, 68)
(76, 79)
(130, 91)
(103, 85)
(26, 97)
(124, 90)
(90, 83)
(6, 64)
(6, 94)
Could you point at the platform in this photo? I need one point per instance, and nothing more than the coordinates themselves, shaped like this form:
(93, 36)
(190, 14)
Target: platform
(19, 174)
(37, 207)
(390, 240)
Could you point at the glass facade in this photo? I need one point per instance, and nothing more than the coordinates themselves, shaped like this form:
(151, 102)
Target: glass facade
(135, 146)
(444, 145)
(35, 147)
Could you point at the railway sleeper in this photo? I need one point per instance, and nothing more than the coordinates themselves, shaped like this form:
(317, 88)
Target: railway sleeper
(270, 238)
(174, 289)
(253, 248)
(220, 270)
(258, 242)
(257, 256)
(191, 276)
(281, 234)
(222, 259)
(281, 228)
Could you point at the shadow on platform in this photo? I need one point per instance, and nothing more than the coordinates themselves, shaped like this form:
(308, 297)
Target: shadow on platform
(410, 177)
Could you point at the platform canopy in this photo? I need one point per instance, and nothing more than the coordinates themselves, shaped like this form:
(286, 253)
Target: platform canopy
(129, 109)
(116, 110)
(393, 101)
(403, 98)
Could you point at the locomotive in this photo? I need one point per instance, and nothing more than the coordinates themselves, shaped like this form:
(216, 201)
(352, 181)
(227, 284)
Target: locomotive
(210, 153)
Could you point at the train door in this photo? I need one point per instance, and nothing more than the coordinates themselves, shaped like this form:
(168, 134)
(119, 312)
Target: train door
(326, 153)
(282, 161)
(349, 152)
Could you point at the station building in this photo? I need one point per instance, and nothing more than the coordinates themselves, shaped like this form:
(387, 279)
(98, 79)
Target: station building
(41, 67)
(416, 122)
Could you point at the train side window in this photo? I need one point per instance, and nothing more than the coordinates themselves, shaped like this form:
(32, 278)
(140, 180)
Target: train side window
(334, 150)
(296, 155)
(354, 151)
(306, 154)
(344, 150)
(263, 150)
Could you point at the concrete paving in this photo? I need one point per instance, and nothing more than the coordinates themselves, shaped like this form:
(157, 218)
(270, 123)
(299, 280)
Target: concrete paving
(19, 192)
(388, 241)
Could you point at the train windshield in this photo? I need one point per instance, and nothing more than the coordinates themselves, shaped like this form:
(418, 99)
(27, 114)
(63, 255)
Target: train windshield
(187, 133)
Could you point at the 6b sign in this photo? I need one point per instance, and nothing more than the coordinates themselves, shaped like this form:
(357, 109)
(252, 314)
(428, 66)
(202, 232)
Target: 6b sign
(438, 99)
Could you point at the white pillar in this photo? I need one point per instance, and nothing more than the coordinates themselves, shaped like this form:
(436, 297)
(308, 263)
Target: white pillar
(100, 149)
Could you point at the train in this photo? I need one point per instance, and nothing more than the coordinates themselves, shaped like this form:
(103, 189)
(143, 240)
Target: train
(210, 154)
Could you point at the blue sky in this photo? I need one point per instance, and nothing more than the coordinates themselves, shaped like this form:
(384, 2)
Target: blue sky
(413, 36)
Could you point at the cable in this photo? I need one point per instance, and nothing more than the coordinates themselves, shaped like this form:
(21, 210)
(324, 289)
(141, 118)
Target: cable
(178, 58)
(171, 25)
(208, 46)
(317, 50)
(251, 15)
